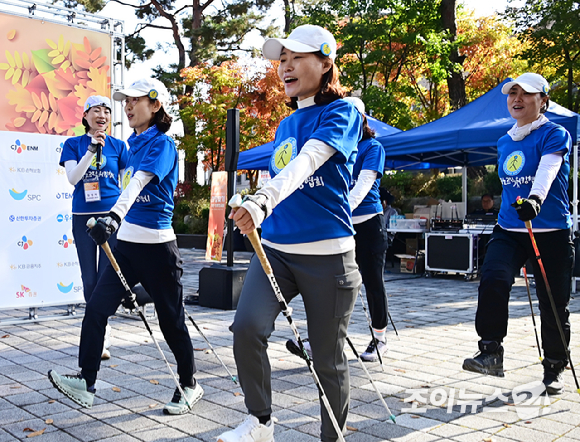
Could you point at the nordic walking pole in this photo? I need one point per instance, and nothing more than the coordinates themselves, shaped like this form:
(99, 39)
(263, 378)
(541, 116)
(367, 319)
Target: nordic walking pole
(210, 346)
(391, 415)
(234, 203)
(532, 309)
(373, 337)
(90, 224)
(552, 303)
(393, 324)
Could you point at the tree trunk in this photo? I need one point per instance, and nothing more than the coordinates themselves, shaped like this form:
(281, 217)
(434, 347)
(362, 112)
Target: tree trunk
(190, 172)
(455, 80)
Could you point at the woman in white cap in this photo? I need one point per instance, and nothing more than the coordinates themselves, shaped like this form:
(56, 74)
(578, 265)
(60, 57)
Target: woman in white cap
(93, 162)
(307, 232)
(146, 248)
(534, 164)
(371, 236)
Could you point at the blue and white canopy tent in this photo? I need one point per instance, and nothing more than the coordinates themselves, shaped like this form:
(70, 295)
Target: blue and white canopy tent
(258, 158)
(469, 136)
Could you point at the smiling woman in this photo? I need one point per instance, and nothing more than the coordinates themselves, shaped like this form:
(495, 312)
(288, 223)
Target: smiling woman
(307, 233)
(93, 162)
(534, 168)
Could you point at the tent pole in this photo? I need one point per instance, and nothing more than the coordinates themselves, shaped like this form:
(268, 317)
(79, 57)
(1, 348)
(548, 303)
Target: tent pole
(575, 201)
(464, 189)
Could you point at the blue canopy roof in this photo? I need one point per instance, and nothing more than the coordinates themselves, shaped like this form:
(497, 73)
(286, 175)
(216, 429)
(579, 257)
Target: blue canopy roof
(466, 137)
(258, 158)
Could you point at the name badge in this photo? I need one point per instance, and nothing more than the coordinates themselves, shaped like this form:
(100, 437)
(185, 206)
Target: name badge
(92, 189)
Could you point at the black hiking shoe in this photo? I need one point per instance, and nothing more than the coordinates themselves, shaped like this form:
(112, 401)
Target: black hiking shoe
(293, 347)
(489, 360)
(553, 380)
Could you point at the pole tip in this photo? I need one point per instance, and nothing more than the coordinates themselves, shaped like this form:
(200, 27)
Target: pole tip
(392, 417)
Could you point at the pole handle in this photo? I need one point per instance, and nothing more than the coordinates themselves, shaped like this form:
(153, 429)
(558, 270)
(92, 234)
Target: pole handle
(236, 202)
(92, 223)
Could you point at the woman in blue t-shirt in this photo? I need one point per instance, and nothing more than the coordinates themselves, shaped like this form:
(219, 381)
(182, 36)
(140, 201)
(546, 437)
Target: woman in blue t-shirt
(307, 232)
(146, 248)
(533, 163)
(93, 162)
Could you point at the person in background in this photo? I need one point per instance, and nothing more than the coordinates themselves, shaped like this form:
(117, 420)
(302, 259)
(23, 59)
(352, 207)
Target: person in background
(486, 206)
(534, 164)
(387, 200)
(96, 188)
(307, 233)
(146, 249)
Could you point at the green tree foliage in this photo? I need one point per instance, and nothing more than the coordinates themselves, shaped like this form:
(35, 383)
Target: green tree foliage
(552, 30)
(215, 89)
(379, 42)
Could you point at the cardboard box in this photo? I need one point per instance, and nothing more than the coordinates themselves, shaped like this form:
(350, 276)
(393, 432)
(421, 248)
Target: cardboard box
(408, 263)
(422, 212)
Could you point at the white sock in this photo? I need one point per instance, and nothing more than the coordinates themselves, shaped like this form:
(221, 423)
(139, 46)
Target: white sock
(381, 335)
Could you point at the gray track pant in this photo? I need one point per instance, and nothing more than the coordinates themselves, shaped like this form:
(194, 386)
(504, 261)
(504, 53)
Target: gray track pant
(329, 286)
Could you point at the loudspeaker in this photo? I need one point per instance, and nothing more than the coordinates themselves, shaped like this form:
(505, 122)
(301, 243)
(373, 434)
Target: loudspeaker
(220, 287)
(232, 140)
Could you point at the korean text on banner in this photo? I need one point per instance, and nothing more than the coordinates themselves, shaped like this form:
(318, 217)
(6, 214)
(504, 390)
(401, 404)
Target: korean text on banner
(38, 256)
(217, 216)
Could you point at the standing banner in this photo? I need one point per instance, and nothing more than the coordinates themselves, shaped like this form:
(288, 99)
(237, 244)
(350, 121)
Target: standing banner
(217, 216)
(47, 71)
(38, 258)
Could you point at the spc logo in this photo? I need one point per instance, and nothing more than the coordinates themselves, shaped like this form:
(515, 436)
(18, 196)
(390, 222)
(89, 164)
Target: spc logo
(17, 195)
(66, 242)
(64, 288)
(25, 243)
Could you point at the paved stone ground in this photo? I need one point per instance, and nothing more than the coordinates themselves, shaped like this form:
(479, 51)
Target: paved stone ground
(434, 318)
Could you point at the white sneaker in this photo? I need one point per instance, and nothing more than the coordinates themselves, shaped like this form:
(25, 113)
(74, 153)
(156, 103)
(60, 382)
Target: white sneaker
(105, 355)
(251, 430)
(107, 343)
(371, 354)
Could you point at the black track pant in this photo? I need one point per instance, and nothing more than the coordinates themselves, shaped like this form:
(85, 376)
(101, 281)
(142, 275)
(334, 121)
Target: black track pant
(506, 254)
(158, 267)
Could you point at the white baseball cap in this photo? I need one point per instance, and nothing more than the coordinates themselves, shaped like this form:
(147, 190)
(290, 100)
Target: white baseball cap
(305, 38)
(146, 87)
(529, 82)
(97, 100)
(358, 103)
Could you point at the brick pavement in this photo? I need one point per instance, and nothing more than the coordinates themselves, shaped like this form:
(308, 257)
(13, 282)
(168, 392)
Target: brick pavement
(434, 318)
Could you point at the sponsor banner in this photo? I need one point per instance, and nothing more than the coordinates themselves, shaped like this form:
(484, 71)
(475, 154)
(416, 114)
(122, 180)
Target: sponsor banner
(217, 216)
(38, 258)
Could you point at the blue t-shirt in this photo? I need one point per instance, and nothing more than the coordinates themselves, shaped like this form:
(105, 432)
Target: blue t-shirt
(318, 209)
(114, 158)
(371, 156)
(154, 152)
(517, 165)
